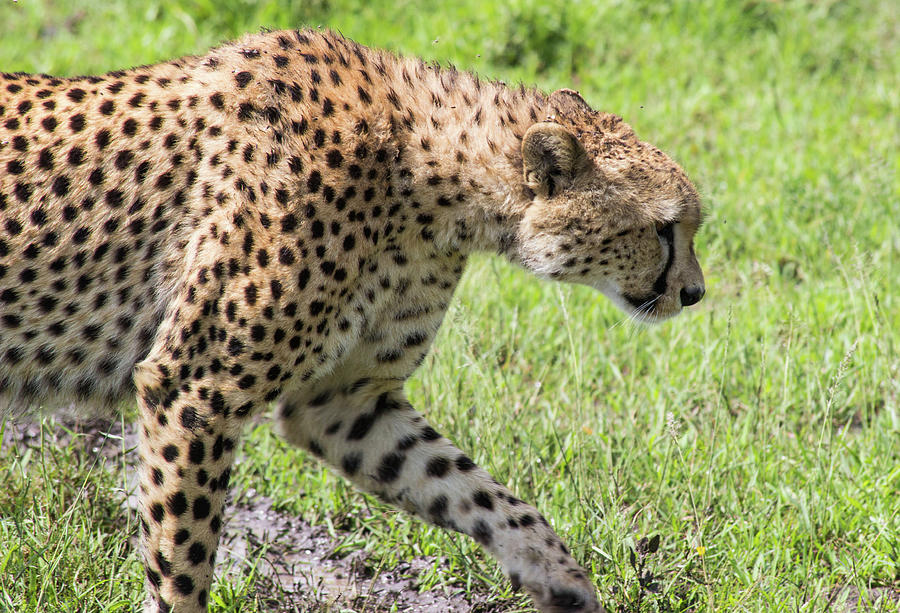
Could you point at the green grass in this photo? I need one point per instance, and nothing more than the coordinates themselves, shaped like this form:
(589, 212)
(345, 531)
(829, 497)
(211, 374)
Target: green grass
(762, 428)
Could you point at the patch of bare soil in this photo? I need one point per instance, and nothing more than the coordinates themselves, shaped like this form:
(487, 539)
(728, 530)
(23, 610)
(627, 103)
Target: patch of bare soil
(296, 567)
(849, 599)
(297, 570)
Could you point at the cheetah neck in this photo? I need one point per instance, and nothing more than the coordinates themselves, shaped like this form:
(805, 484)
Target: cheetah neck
(460, 143)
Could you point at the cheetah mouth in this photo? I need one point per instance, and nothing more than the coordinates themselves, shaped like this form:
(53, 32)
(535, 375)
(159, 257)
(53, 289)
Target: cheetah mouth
(647, 308)
(642, 303)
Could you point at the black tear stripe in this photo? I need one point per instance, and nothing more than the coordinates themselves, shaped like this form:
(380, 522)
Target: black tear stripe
(659, 286)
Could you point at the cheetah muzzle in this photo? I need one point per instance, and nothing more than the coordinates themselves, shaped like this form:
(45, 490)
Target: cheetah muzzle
(285, 219)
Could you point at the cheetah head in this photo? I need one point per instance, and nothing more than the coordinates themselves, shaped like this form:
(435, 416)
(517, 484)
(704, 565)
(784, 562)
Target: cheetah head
(609, 211)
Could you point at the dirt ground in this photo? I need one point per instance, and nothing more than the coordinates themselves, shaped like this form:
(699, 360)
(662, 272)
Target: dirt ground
(296, 568)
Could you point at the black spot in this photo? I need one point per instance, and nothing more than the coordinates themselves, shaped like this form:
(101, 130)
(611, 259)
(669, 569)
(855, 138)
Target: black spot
(170, 453)
(566, 600)
(361, 426)
(483, 499)
(45, 355)
(218, 448)
(243, 78)
(389, 355)
(286, 256)
(165, 567)
(39, 217)
(190, 419)
(438, 508)
(389, 469)
(201, 507)
(13, 227)
(334, 158)
(45, 159)
(350, 463)
(196, 553)
(314, 181)
(102, 139)
(245, 111)
(295, 164)
(47, 303)
(96, 177)
(23, 192)
(124, 159)
(430, 434)
(61, 185)
(257, 333)
(177, 503)
(481, 532)
(464, 464)
(129, 128)
(407, 442)
(414, 339)
(184, 584)
(246, 382)
(437, 467)
(136, 100)
(77, 122)
(196, 452)
(153, 578)
(114, 198)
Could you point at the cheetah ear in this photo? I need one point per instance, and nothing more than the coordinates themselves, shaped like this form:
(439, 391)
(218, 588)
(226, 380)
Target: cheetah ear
(569, 102)
(551, 158)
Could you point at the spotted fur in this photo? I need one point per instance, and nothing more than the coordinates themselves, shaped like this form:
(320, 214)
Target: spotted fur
(285, 220)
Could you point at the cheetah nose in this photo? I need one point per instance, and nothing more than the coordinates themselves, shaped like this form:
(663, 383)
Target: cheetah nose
(692, 295)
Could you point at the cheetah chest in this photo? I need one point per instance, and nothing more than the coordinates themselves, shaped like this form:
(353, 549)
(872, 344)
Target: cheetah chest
(389, 322)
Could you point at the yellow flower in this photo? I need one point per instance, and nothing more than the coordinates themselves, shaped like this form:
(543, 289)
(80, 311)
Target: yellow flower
(701, 550)
(587, 430)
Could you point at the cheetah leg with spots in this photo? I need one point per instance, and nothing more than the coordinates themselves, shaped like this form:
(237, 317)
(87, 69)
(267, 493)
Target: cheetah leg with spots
(385, 447)
(187, 446)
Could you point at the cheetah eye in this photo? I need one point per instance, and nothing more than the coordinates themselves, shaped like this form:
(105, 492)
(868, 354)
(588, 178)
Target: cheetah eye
(666, 231)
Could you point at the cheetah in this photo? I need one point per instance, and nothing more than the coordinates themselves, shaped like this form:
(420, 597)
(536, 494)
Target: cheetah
(284, 220)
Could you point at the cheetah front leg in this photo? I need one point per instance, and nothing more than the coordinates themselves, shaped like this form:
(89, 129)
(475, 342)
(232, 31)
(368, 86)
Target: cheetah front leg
(187, 444)
(195, 396)
(385, 447)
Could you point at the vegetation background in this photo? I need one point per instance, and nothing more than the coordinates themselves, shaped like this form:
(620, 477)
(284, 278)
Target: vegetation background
(758, 434)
